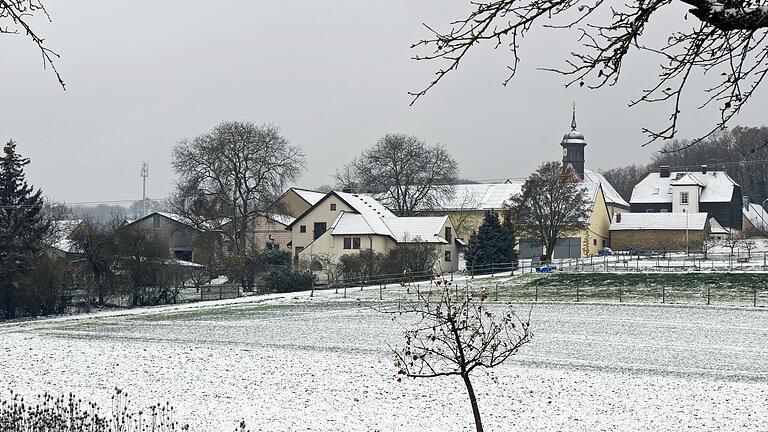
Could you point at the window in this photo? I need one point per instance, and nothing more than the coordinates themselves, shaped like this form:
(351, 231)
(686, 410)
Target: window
(156, 221)
(594, 242)
(447, 256)
(351, 242)
(319, 229)
(448, 234)
(303, 229)
(333, 207)
(272, 246)
(683, 198)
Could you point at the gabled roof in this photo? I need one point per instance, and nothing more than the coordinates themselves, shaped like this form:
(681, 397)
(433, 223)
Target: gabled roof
(686, 179)
(756, 215)
(717, 186)
(362, 204)
(310, 196)
(611, 195)
(172, 216)
(659, 221)
(716, 228)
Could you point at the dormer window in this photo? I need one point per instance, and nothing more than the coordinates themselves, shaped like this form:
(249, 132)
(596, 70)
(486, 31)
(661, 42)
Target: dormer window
(683, 198)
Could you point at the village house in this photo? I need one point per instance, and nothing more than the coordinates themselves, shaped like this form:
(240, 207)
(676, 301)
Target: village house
(704, 191)
(346, 223)
(61, 244)
(469, 202)
(181, 235)
(661, 232)
(269, 230)
(585, 242)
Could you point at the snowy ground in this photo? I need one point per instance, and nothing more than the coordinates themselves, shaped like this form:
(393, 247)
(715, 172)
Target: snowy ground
(289, 364)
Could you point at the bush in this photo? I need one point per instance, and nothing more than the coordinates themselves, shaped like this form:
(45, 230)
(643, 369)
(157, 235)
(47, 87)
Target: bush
(283, 280)
(43, 291)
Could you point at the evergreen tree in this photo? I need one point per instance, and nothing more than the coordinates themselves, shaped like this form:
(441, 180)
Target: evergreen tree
(493, 243)
(22, 226)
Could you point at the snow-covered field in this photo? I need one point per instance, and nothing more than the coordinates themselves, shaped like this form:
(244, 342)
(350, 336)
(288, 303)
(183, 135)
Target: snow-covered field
(290, 364)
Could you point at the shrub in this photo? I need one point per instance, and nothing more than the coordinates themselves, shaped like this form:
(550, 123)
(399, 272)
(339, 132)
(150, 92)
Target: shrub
(284, 280)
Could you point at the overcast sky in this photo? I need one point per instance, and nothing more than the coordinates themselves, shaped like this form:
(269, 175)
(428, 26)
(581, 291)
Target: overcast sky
(333, 76)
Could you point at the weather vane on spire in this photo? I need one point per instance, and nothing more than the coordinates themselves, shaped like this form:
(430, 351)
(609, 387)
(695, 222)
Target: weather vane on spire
(573, 122)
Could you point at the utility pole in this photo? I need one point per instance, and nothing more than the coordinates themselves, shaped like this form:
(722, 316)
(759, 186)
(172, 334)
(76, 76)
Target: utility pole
(144, 175)
(687, 249)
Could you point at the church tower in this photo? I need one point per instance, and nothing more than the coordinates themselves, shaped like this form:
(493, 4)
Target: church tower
(573, 147)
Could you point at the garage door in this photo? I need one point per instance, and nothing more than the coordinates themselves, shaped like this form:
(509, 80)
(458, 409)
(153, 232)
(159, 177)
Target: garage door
(568, 248)
(530, 249)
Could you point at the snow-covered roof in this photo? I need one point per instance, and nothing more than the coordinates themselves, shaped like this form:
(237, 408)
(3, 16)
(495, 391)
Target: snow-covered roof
(483, 196)
(658, 221)
(716, 228)
(310, 196)
(716, 186)
(347, 223)
(756, 215)
(426, 229)
(401, 229)
(611, 195)
(281, 218)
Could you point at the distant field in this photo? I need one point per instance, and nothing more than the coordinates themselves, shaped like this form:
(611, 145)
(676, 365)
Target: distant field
(294, 363)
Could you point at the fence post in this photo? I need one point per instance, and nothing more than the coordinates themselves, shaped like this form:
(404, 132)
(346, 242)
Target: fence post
(219, 292)
(345, 290)
(493, 271)
(577, 293)
(708, 296)
(663, 294)
(754, 296)
(764, 261)
(536, 298)
(497, 292)
(621, 295)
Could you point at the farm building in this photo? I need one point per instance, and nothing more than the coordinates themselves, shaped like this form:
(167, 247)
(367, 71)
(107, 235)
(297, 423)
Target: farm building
(705, 191)
(754, 218)
(659, 231)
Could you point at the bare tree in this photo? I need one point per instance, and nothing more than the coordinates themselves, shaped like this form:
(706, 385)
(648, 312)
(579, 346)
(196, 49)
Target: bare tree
(97, 244)
(16, 17)
(707, 246)
(731, 242)
(453, 336)
(405, 172)
(551, 204)
(727, 42)
(233, 174)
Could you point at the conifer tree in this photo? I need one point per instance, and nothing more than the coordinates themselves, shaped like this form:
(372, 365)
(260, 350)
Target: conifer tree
(493, 243)
(22, 226)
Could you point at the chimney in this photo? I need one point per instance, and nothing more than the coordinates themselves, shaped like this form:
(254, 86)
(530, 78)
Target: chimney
(745, 201)
(664, 171)
(703, 169)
